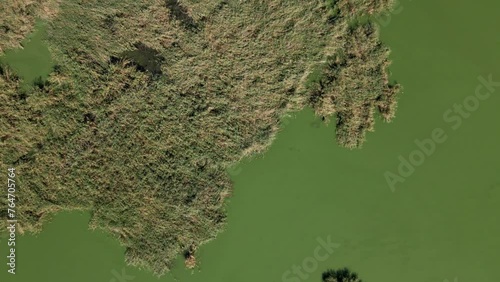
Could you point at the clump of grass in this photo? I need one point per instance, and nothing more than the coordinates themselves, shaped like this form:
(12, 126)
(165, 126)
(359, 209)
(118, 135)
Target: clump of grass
(147, 154)
(355, 84)
(333, 10)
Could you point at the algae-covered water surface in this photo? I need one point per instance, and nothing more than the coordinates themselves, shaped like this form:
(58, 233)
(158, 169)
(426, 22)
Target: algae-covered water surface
(33, 61)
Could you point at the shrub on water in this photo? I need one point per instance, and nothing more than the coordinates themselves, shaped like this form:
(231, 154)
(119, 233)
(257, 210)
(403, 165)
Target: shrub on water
(340, 275)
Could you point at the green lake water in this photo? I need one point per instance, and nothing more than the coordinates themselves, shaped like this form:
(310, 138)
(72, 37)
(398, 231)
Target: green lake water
(441, 224)
(33, 60)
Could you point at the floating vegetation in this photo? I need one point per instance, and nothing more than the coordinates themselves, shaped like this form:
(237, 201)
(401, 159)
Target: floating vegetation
(353, 84)
(148, 154)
